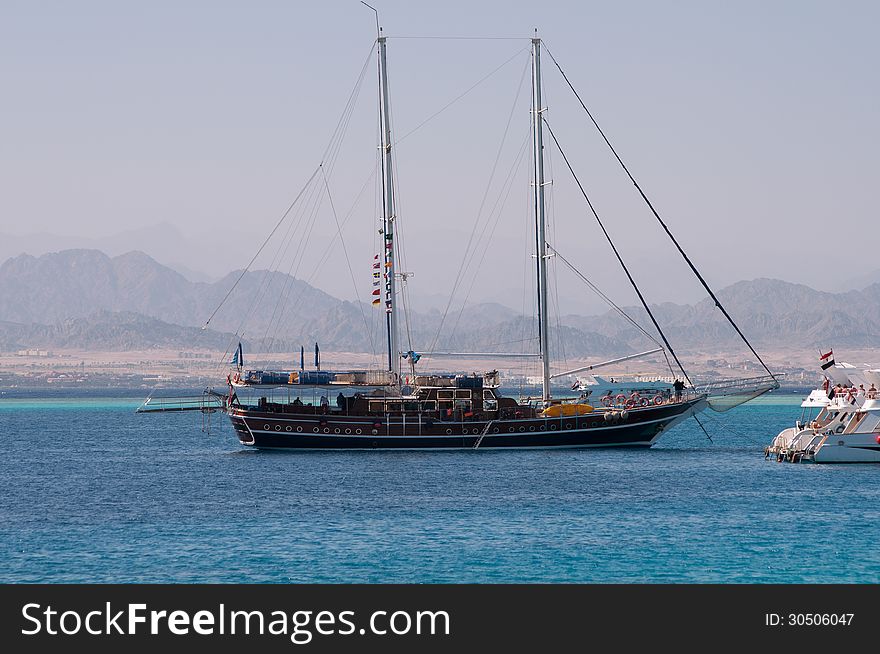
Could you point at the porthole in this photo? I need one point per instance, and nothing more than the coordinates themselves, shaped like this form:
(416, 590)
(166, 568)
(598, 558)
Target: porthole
(326, 430)
(289, 428)
(316, 430)
(348, 431)
(266, 427)
(552, 427)
(464, 432)
(522, 428)
(357, 431)
(495, 430)
(543, 427)
(336, 431)
(511, 429)
(568, 425)
(299, 428)
(448, 431)
(277, 427)
(532, 428)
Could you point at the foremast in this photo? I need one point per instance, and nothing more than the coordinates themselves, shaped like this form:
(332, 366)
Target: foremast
(388, 215)
(540, 219)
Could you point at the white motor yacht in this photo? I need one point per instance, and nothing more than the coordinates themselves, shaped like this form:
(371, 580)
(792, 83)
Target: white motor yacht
(847, 426)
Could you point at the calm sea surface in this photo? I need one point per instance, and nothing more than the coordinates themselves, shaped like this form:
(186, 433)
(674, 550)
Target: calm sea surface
(92, 492)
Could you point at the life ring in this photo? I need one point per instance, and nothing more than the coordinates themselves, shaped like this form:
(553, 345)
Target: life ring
(643, 401)
(658, 399)
(630, 404)
(607, 401)
(620, 398)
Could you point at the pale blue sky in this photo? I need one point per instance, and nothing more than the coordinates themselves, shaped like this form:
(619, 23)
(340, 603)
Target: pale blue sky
(753, 126)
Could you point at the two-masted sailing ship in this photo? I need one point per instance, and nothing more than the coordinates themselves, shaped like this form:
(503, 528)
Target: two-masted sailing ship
(400, 407)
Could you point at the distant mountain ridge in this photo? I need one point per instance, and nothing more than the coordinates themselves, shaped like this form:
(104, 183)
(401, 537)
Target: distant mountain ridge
(84, 298)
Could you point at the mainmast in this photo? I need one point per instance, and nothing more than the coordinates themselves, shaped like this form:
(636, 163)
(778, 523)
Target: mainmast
(540, 220)
(388, 215)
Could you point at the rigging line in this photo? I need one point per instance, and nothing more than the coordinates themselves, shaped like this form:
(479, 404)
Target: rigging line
(275, 267)
(352, 98)
(553, 271)
(459, 97)
(724, 427)
(465, 38)
(299, 255)
(281, 254)
(660, 220)
(326, 252)
(400, 248)
(266, 282)
(330, 152)
(519, 340)
(309, 217)
(704, 429)
(268, 238)
(529, 323)
(467, 251)
(602, 295)
(500, 203)
(617, 254)
(328, 163)
(347, 260)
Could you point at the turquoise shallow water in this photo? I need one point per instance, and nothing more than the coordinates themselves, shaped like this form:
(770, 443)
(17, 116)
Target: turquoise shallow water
(92, 491)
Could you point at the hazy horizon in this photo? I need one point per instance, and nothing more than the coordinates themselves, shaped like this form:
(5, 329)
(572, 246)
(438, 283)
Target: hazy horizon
(750, 126)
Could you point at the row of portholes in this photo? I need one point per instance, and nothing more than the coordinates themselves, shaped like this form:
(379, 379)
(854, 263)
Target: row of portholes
(448, 431)
(495, 430)
(316, 429)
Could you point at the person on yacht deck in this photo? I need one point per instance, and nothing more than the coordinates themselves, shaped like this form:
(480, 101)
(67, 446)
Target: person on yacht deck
(872, 392)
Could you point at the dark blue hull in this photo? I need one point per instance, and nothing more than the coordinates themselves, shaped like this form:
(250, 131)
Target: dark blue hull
(633, 428)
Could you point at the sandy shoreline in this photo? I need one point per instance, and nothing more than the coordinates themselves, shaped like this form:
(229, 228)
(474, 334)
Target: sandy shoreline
(166, 366)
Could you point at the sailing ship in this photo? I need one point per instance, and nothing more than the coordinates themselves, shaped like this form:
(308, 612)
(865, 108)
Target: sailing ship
(399, 407)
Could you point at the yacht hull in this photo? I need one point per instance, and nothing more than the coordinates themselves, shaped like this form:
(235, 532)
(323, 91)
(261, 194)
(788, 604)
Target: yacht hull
(850, 452)
(637, 428)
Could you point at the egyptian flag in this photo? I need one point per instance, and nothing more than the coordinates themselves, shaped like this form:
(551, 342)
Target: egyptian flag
(827, 360)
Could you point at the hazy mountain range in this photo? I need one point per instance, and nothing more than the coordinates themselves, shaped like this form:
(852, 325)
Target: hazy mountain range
(87, 299)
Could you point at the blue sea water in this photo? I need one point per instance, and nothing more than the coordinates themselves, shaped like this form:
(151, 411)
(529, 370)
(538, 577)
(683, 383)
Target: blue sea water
(92, 492)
